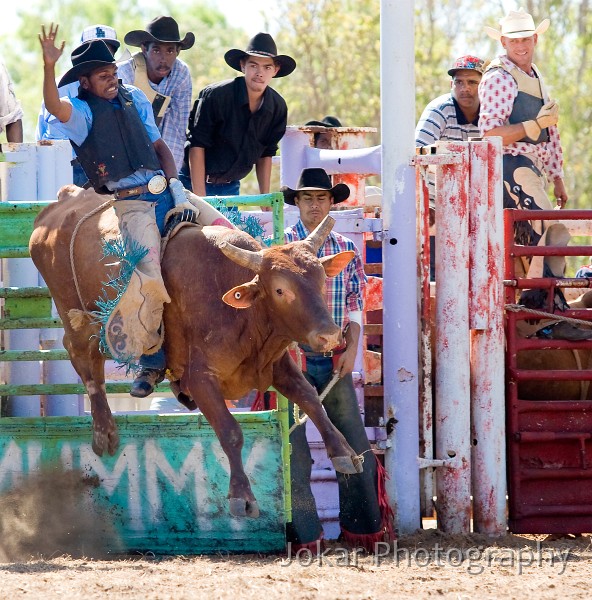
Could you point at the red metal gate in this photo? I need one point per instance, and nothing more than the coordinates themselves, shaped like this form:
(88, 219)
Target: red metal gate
(549, 431)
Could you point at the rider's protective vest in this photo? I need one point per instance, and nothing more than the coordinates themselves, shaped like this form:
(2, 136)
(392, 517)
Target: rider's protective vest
(529, 100)
(117, 143)
(160, 102)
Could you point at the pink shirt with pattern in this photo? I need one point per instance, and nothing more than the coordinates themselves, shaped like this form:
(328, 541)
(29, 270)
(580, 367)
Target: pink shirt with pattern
(497, 92)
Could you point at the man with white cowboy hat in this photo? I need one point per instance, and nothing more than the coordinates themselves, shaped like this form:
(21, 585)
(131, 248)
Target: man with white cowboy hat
(238, 123)
(516, 106)
(361, 519)
(165, 79)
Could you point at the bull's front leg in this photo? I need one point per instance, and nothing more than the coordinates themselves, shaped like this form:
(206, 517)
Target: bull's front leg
(289, 381)
(90, 366)
(204, 388)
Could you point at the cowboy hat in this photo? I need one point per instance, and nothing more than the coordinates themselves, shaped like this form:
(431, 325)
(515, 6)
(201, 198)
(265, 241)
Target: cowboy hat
(467, 63)
(86, 58)
(327, 121)
(261, 45)
(316, 179)
(163, 30)
(517, 24)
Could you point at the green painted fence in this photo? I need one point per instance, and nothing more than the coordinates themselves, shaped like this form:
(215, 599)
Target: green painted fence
(165, 490)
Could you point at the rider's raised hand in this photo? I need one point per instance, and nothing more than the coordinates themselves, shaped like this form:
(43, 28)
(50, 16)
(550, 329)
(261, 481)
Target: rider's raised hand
(51, 52)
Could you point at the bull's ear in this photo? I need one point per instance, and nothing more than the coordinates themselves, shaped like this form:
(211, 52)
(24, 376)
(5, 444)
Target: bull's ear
(335, 263)
(242, 296)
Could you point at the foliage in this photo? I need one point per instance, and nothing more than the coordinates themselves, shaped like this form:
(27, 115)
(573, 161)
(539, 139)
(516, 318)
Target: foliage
(336, 45)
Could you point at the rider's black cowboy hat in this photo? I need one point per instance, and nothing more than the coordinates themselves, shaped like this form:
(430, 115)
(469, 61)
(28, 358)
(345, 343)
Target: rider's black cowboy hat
(86, 58)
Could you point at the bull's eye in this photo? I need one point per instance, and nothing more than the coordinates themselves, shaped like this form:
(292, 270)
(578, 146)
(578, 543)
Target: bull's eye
(279, 292)
(237, 295)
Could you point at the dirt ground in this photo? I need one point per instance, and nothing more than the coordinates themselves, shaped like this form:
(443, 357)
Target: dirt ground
(427, 564)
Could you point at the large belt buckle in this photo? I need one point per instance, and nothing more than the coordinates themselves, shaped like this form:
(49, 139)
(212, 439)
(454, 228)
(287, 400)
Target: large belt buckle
(157, 184)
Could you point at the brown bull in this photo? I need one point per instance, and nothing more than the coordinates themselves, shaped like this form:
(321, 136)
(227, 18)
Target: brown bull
(226, 331)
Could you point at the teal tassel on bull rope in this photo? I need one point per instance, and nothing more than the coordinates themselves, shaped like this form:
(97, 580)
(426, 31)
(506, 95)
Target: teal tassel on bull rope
(128, 255)
(244, 222)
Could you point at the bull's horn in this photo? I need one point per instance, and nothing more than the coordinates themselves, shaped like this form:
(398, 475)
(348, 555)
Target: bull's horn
(317, 237)
(245, 258)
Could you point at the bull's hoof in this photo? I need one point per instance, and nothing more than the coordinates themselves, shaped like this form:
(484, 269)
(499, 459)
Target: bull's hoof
(105, 441)
(350, 465)
(182, 398)
(241, 508)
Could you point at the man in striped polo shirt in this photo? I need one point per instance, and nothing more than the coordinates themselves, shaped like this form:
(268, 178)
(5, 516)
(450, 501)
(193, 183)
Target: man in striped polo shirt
(452, 117)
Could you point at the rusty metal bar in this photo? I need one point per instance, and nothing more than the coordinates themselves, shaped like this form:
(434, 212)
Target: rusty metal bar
(453, 421)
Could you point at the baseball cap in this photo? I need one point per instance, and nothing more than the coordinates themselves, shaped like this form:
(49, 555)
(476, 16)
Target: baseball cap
(100, 32)
(467, 62)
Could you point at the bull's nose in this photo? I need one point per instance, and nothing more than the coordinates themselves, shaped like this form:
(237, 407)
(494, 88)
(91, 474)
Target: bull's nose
(325, 341)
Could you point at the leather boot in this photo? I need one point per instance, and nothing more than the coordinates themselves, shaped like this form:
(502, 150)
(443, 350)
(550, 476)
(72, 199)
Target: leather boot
(145, 382)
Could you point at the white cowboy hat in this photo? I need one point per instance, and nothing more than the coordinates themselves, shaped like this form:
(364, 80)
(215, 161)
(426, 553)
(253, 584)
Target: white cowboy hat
(517, 24)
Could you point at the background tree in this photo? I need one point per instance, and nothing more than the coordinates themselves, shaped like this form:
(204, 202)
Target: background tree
(337, 46)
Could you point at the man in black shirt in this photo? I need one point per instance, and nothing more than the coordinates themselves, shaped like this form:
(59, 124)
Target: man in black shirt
(238, 123)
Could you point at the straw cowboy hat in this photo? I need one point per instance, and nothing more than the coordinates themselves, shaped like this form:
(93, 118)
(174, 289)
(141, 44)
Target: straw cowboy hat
(517, 24)
(86, 58)
(317, 180)
(261, 45)
(163, 30)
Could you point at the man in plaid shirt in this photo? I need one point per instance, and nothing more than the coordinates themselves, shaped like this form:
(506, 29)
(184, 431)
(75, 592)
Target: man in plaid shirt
(360, 516)
(165, 79)
(516, 106)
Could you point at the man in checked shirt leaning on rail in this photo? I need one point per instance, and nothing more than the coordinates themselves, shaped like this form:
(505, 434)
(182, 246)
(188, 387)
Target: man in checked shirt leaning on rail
(364, 515)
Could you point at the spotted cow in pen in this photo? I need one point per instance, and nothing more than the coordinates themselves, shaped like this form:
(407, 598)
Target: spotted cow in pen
(235, 309)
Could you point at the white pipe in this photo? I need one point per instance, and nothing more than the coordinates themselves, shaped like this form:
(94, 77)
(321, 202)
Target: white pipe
(359, 161)
(453, 400)
(487, 368)
(399, 247)
(293, 144)
(63, 163)
(479, 232)
(19, 183)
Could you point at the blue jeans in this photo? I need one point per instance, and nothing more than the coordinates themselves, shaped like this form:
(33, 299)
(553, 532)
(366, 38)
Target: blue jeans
(232, 188)
(359, 512)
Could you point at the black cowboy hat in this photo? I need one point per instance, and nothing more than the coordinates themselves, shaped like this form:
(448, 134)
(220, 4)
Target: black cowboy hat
(316, 179)
(327, 121)
(161, 29)
(261, 45)
(86, 58)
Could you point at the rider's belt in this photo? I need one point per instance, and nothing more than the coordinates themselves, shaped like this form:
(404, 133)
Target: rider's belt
(217, 180)
(329, 354)
(156, 185)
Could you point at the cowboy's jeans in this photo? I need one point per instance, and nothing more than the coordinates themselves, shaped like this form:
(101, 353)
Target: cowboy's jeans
(359, 512)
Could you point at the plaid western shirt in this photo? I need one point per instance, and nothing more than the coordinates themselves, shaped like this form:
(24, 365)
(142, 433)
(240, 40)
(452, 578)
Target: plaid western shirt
(345, 292)
(497, 92)
(177, 85)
